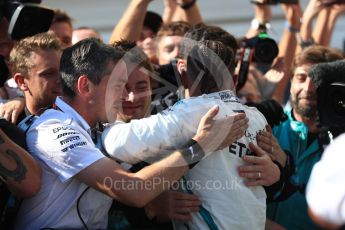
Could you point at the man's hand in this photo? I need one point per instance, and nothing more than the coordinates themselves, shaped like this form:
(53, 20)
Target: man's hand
(172, 205)
(261, 171)
(270, 144)
(293, 14)
(217, 134)
(12, 109)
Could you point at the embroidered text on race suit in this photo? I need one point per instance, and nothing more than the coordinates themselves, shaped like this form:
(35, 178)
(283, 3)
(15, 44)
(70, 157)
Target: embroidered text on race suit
(65, 134)
(240, 149)
(68, 136)
(227, 97)
(55, 130)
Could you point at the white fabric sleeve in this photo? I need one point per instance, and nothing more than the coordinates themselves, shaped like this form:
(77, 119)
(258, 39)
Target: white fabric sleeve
(143, 139)
(64, 148)
(326, 186)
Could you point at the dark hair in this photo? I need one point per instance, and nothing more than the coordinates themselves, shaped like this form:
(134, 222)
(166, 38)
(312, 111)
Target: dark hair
(88, 57)
(62, 16)
(210, 60)
(133, 54)
(202, 32)
(152, 21)
(173, 29)
(314, 55)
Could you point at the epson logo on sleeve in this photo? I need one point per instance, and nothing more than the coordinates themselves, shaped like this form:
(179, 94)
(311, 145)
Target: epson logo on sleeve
(61, 128)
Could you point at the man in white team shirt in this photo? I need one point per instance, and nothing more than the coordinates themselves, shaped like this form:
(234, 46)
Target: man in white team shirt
(78, 182)
(232, 205)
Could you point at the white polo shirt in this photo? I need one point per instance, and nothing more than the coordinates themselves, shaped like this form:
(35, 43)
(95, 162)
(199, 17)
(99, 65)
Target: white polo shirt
(215, 179)
(61, 142)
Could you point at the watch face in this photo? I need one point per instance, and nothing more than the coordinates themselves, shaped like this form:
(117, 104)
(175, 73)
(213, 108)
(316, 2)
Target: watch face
(255, 24)
(262, 26)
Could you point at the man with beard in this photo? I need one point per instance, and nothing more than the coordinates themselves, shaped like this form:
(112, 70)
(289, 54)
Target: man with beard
(298, 136)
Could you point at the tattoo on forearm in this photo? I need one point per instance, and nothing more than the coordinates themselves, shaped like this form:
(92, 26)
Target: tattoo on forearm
(18, 174)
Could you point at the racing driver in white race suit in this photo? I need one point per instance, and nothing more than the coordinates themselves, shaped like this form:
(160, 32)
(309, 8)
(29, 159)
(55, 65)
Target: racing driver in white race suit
(215, 180)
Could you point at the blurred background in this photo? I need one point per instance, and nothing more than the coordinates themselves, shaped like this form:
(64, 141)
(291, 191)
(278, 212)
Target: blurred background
(232, 15)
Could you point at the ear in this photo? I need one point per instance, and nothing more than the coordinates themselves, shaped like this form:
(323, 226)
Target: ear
(181, 66)
(21, 82)
(182, 69)
(84, 86)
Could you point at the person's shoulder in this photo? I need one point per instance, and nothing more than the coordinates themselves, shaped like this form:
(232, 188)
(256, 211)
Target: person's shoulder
(191, 102)
(253, 112)
(51, 117)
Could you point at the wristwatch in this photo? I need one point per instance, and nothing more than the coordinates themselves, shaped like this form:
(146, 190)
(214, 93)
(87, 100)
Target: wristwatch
(192, 153)
(262, 26)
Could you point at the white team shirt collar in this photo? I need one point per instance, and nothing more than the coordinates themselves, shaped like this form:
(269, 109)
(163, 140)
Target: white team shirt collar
(225, 95)
(64, 107)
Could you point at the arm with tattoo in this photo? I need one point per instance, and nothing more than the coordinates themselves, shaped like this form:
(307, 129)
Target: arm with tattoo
(18, 169)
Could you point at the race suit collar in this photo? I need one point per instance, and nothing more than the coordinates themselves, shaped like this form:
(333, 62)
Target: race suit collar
(225, 95)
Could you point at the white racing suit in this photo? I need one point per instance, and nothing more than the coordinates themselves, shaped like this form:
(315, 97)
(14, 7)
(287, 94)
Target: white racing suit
(215, 179)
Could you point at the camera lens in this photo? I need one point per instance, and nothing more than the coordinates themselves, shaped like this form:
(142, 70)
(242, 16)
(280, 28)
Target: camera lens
(265, 50)
(338, 99)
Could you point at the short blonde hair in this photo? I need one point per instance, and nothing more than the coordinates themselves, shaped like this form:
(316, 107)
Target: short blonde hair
(20, 57)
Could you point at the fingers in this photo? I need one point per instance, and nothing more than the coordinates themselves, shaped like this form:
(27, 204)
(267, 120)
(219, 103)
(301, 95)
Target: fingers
(187, 203)
(267, 142)
(184, 209)
(185, 200)
(254, 183)
(211, 113)
(181, 216)
(184, 205)
(236, 131)
(239, 125)
(268, 129)
(264, 137)
(183, 196)
(14, 117)
(257, 151)
(265, 145)
(238, 116)
(2, 111)
(250, 168)
(254, 178)
(7, 116)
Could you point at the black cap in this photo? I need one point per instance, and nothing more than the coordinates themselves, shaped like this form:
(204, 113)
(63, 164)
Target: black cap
(153, 21)
(324, 74)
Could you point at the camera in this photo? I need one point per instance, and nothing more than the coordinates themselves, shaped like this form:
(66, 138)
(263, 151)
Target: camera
(329, 82)
(26, 17)
(259, 49)
(166, 89)
(273, 2)
(3, 71)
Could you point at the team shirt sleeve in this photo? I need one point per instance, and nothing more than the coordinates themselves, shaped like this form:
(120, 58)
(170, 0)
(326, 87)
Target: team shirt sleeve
(155, 136)
(64, 148)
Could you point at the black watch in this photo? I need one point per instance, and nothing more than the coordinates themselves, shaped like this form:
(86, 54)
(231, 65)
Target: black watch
(192, 153)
